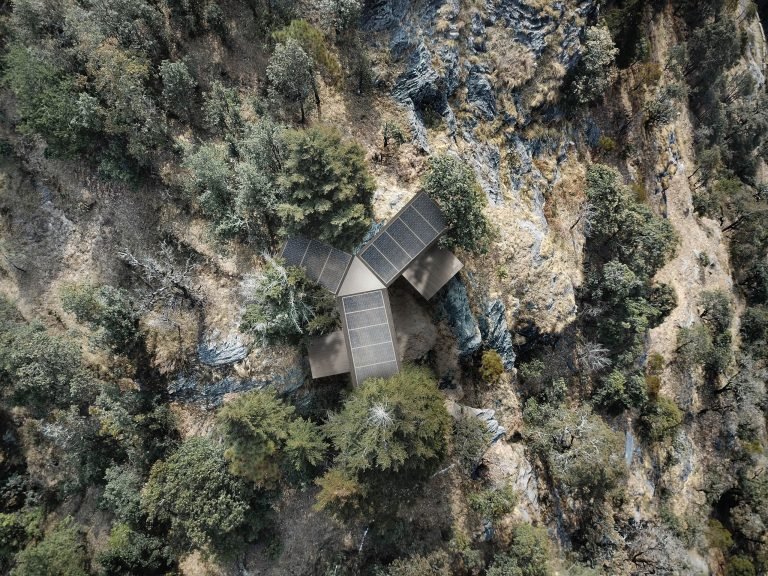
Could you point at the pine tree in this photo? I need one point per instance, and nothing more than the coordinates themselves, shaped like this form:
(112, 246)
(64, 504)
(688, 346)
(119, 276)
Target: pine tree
(327, 189)
(265, 438)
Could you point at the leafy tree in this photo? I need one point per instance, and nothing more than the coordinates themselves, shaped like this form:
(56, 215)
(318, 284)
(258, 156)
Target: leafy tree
(291, 76)
(312, 41)
(60, 553)
(452, 184)
(16, 530)
(209, 170)
(193, 495)
(286, 305)
(43, 371)
(593, 73)
(341, 15)
(221, 109)
(46, 99)
(129, 552)
(264, 438)
(529, 554)
(716, 310)
(126, 112)
(178, 86)
(583, 455)
(392, 424)
(327, 189)
(122, 493)
(107, 309)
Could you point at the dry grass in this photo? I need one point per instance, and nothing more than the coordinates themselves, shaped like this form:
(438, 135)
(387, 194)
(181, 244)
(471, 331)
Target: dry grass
(514, 65)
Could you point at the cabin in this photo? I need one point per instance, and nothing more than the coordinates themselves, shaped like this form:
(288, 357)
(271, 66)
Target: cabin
(366, 346)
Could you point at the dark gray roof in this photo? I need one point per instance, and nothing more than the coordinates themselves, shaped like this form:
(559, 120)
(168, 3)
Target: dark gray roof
(323, 263)
(367, 321)
(409, 233)
(367, 346)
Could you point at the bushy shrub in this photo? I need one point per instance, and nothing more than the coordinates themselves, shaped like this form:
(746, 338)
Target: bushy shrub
(453, 185)
(129, 552)
(528, 555)
(491, 367)
(61, 552)
(178, 86)
(660, 418)
(493, 503)
(470, 441)
(286, 305)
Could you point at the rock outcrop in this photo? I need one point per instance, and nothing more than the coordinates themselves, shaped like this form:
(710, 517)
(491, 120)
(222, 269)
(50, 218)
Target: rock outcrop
(452, 306)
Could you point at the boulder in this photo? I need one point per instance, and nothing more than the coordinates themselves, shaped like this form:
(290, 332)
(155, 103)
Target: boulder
(496, 334)
(452, 306)
(217, 351)
(480, 93)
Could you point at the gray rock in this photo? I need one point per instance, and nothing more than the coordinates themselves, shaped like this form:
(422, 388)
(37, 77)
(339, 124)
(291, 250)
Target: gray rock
(452, 305)
(210, 395)
(381, 15)
(400, 43)
(496, 334)
(418, 84)
(217, 351)
(480, 93)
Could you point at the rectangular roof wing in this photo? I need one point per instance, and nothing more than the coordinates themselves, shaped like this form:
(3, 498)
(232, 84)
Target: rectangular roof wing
(322, 263)
(408, 234)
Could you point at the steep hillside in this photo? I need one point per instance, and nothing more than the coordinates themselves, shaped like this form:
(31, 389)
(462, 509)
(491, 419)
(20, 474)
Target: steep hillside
(586, 397)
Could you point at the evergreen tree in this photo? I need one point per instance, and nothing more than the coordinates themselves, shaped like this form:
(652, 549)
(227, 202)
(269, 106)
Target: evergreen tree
(392, 424)
(291, 77)
(198, 501)
(452, 184)
(327, 189)
(264, 438)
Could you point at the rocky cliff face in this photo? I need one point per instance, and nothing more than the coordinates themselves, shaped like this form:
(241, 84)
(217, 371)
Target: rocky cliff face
(477, 80)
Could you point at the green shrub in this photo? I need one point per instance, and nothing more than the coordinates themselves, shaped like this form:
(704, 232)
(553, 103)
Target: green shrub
(129, 552)
(740, 566)
(60, 553)
(718, 536)
(491, 367)
(660, 418)
(452, 184)
(326, 188)
(493, 503)
(122, 494)
(528, 555)
(107, 309)
(287, 305)
(470, 441)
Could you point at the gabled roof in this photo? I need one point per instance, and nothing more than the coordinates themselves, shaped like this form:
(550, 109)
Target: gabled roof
(405, 246)
(407, 235)
(323, 263)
